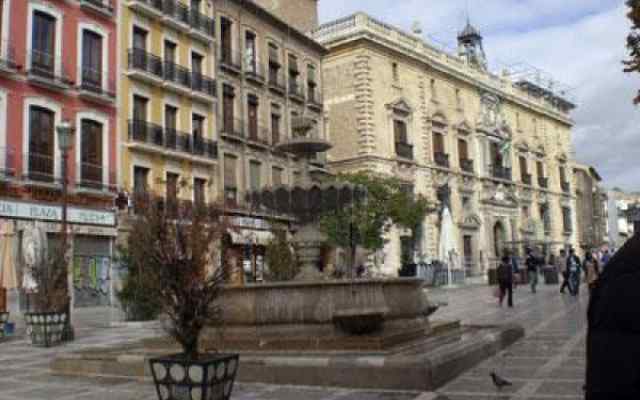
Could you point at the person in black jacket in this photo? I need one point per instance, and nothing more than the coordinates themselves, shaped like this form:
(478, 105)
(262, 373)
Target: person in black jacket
(505, 280)
(613, 335)
(532, 263)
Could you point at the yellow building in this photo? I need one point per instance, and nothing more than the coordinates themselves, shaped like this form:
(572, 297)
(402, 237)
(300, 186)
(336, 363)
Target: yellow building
(167, 98)
(495, 149)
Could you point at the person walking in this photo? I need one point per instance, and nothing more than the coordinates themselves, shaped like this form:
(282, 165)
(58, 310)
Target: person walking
(532, 264)
(605, 259)
(592, 270)
(573, 272)
(561, 266)
(505, 281)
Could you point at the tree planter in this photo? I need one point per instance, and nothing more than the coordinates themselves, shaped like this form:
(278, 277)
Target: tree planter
(46, 328)
(4, 318)
(209, 377)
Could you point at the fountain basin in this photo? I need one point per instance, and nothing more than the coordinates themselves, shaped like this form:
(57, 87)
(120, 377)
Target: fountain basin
(323, 315)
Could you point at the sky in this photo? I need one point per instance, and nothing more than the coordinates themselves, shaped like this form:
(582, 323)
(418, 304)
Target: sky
(581, 43)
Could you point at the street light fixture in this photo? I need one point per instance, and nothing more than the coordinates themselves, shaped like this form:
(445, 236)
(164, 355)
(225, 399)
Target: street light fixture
(65, 140)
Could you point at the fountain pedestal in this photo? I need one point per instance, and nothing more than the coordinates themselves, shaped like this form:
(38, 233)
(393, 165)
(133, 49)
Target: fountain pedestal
(308, 242)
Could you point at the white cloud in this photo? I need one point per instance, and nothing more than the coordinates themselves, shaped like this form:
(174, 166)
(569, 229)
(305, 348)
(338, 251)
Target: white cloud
(580, 42)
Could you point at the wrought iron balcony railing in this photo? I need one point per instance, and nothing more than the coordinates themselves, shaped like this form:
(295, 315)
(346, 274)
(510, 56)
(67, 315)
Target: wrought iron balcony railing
(203, 84)
(296, 91)
(526, 178)
(313, 97)
(543, 182)
(466, 164)
(104, 7)
(404, 150)
(258, 135)
(48, 69)
(202, 23)
(233, 128)
(177, 11)
(441, 159)
(230, 60)
(171, 139)
(501, 172)
(276, 81)
(141, 60)
(254, 71)
(94, 81)
(177, 74)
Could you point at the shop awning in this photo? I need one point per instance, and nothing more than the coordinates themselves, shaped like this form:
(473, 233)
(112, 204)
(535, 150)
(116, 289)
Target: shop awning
(8, 276)
(248, 236)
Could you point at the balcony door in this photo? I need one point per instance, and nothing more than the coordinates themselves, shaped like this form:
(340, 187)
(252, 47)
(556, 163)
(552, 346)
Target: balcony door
(197, 127)
(225, 40)
(41, 144)
(524, 169)
(170, 60)
(91, 59)
(170, 125)
(250, 52)
(252, 114)
(91, 153)
(227, 108)
(43, 43)
(196, 71)
(140, 105)
(463, 151)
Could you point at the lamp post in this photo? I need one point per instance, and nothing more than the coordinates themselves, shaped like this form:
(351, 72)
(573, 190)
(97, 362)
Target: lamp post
(65, 140)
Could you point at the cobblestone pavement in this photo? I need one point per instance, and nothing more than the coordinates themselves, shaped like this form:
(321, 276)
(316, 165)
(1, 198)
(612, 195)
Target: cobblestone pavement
(547, 364)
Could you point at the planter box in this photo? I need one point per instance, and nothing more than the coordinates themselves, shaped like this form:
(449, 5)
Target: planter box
(4, 318)
(46, 328)
(210, 377)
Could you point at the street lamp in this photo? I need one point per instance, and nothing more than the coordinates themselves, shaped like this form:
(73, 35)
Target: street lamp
(65, 140)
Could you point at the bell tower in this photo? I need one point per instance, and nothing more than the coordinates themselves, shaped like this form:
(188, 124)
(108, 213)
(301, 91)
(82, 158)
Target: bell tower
(470, 47)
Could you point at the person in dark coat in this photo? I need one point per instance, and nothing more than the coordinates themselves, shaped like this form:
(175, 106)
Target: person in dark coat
(505, 280)
(613, 336)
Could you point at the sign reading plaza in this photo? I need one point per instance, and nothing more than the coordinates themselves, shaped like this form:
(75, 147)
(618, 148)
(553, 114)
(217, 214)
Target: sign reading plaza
(25, 210)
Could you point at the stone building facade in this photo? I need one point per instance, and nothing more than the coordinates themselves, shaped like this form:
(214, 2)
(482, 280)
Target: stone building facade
(396, 105)
(591, 208)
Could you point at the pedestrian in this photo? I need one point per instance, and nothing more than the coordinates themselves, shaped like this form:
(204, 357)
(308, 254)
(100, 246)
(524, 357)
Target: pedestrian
(605, 259)
(613, 335)
(561, 266)
(505, 281)
(532, 262)
(591, 270)
(573, 272)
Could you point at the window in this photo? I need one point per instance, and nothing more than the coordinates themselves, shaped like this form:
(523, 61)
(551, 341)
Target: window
(274, 64)
(140, 179)
(465, 201)
(458, 98)
(91, 59)
(275, 124)
(226, 48)
(139, 38)
(250, 52)
(525, 212)
(563, 174)
(196, 64)
(252, 115)
(277, 174)
(197, 130)
(228, 97)
(467, 246)
(170, 60)
(394, 71)
(463, 150)
(434, 91)
(199, 185)
(400, 131)
(254, 175)
(230, 185)
(172, 192)
(438, 143)
(43, 43)
(91, 153)
(41, 144)
(170, 119)
(544, 217)
(311, 83)
(524, 170)
(496, 155)
(293, 73)
(566, 220)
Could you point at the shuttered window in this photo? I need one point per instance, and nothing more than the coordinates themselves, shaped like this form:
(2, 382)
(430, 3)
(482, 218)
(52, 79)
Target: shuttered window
(41, 143)
(91, 152)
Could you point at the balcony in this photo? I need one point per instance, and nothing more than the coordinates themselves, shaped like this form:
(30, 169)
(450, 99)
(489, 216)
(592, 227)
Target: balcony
(526, 179)
(93, 178)
(466, 165)
(500, 172)
(441, 159)
(202, 27)
(7, 163)
(169, 141)
(404, 150)
(176, 15)
(313, 99)
(276, 82)
(258, 136)
(150, 8)
(254, 72)
(95, 87)
(48, 71)
(171, 76)
(565, 186)
(101, 7)
(230, 61)
(296, 92)
(145, 66)
(232, 129)
(543, 182)
(8, 64)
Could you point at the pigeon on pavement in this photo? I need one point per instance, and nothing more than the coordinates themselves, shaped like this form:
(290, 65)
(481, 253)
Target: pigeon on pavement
(499, 381)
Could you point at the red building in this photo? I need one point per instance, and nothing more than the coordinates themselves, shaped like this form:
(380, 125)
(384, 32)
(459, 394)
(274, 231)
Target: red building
(58, 62)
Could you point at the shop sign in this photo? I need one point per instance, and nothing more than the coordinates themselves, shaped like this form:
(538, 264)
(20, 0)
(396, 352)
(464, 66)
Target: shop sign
(252, 223)
(24, 210)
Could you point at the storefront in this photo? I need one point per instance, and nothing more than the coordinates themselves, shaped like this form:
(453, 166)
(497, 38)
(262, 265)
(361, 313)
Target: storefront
(246, 246)
(93, 233)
